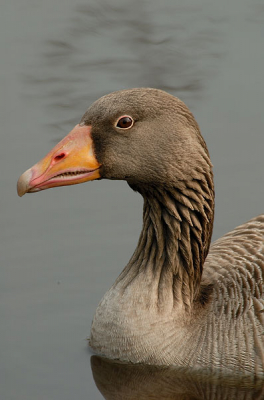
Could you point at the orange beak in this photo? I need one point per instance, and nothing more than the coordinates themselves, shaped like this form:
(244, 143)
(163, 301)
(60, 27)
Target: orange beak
(70, 162)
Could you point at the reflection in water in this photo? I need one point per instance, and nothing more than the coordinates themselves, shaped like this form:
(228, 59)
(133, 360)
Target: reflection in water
(110, 47)
(119, 381)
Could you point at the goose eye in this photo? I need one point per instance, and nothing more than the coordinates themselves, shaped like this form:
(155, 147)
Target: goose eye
(125, 122)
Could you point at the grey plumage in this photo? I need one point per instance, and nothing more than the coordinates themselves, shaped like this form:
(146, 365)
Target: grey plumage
(162, 309)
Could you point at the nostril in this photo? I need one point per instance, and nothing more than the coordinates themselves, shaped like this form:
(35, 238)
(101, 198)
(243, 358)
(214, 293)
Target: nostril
(59, 157)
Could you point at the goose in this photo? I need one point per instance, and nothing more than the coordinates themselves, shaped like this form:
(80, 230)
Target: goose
(176, 302)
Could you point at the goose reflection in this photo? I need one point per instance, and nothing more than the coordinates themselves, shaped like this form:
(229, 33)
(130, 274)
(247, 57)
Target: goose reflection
(119, 381)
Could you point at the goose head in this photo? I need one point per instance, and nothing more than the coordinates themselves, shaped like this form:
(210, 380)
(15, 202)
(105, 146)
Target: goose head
(144, 136)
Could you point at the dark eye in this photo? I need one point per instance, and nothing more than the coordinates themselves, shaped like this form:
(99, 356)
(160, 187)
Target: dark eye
(125, 122)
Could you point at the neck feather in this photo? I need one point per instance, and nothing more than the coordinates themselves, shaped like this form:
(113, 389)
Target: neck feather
(175, 239)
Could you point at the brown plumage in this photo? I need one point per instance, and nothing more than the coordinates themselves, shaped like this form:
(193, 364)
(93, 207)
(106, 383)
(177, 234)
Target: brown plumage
(174, 303)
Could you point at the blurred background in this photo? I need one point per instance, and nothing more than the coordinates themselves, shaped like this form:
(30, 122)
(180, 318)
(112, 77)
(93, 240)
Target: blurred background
(62, 249)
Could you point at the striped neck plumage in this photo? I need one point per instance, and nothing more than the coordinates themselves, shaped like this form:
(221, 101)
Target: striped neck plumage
(175, 239)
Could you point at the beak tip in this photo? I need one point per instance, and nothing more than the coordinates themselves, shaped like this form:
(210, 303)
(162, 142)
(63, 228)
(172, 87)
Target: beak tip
(23, 183)
(20, 192)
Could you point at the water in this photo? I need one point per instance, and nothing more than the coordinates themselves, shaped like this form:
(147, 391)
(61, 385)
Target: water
(62, 249)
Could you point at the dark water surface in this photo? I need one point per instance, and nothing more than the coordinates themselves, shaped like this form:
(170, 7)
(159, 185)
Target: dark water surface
(62, 249)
